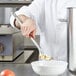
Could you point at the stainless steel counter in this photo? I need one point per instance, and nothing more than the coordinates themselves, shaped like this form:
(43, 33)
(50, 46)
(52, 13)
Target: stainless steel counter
(13, 3)
(19, 69)
(25, 70)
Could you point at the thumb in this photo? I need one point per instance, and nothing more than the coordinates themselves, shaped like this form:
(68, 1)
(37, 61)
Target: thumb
(32, 34)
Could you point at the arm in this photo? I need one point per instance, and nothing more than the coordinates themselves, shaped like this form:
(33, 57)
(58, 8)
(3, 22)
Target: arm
(27, 27)
(22, 18)
(29, 15)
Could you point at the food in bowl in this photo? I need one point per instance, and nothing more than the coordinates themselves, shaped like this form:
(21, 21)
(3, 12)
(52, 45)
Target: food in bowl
(45, 57)
(52, 67)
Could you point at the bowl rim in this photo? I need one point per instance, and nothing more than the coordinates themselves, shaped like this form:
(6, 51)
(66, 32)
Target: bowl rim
(64, 62)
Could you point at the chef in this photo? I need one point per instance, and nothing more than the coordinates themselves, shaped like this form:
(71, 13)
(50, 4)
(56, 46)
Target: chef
(51, 18)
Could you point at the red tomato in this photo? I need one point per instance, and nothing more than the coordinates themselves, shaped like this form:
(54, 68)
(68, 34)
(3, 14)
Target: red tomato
(7, 72)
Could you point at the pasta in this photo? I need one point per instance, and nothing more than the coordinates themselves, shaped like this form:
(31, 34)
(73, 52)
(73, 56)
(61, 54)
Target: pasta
(45, 57)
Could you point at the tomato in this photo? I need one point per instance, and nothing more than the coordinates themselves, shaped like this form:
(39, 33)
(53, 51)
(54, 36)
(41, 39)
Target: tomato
(7, 72)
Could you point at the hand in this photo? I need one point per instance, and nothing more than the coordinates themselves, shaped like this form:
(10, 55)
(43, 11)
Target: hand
(28, 28)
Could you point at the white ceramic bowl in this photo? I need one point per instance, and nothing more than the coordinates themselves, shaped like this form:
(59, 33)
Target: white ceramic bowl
(52, 67)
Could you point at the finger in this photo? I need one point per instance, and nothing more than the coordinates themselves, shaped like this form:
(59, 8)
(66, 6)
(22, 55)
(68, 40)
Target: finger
(33, 34)
(23, 29)
(26, 32)
(27, 36)
(29, 32)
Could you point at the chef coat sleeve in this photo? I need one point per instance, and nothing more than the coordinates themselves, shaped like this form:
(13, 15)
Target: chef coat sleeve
(32, 11)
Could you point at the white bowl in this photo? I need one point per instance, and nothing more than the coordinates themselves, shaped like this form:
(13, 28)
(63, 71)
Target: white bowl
(52, 67)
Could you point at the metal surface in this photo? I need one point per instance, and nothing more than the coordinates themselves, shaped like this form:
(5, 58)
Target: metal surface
(11, 40)
(8, 6)
(72, 38)
(25, 70)
(7, 30)
(1, 47)
(13, 3)
(19, 69)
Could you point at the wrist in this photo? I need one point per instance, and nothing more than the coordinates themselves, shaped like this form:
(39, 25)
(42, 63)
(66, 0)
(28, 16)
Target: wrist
(16, 24)
(22, 18)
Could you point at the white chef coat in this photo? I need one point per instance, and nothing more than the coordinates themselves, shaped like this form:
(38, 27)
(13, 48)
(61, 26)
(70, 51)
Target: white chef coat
(51, 17)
